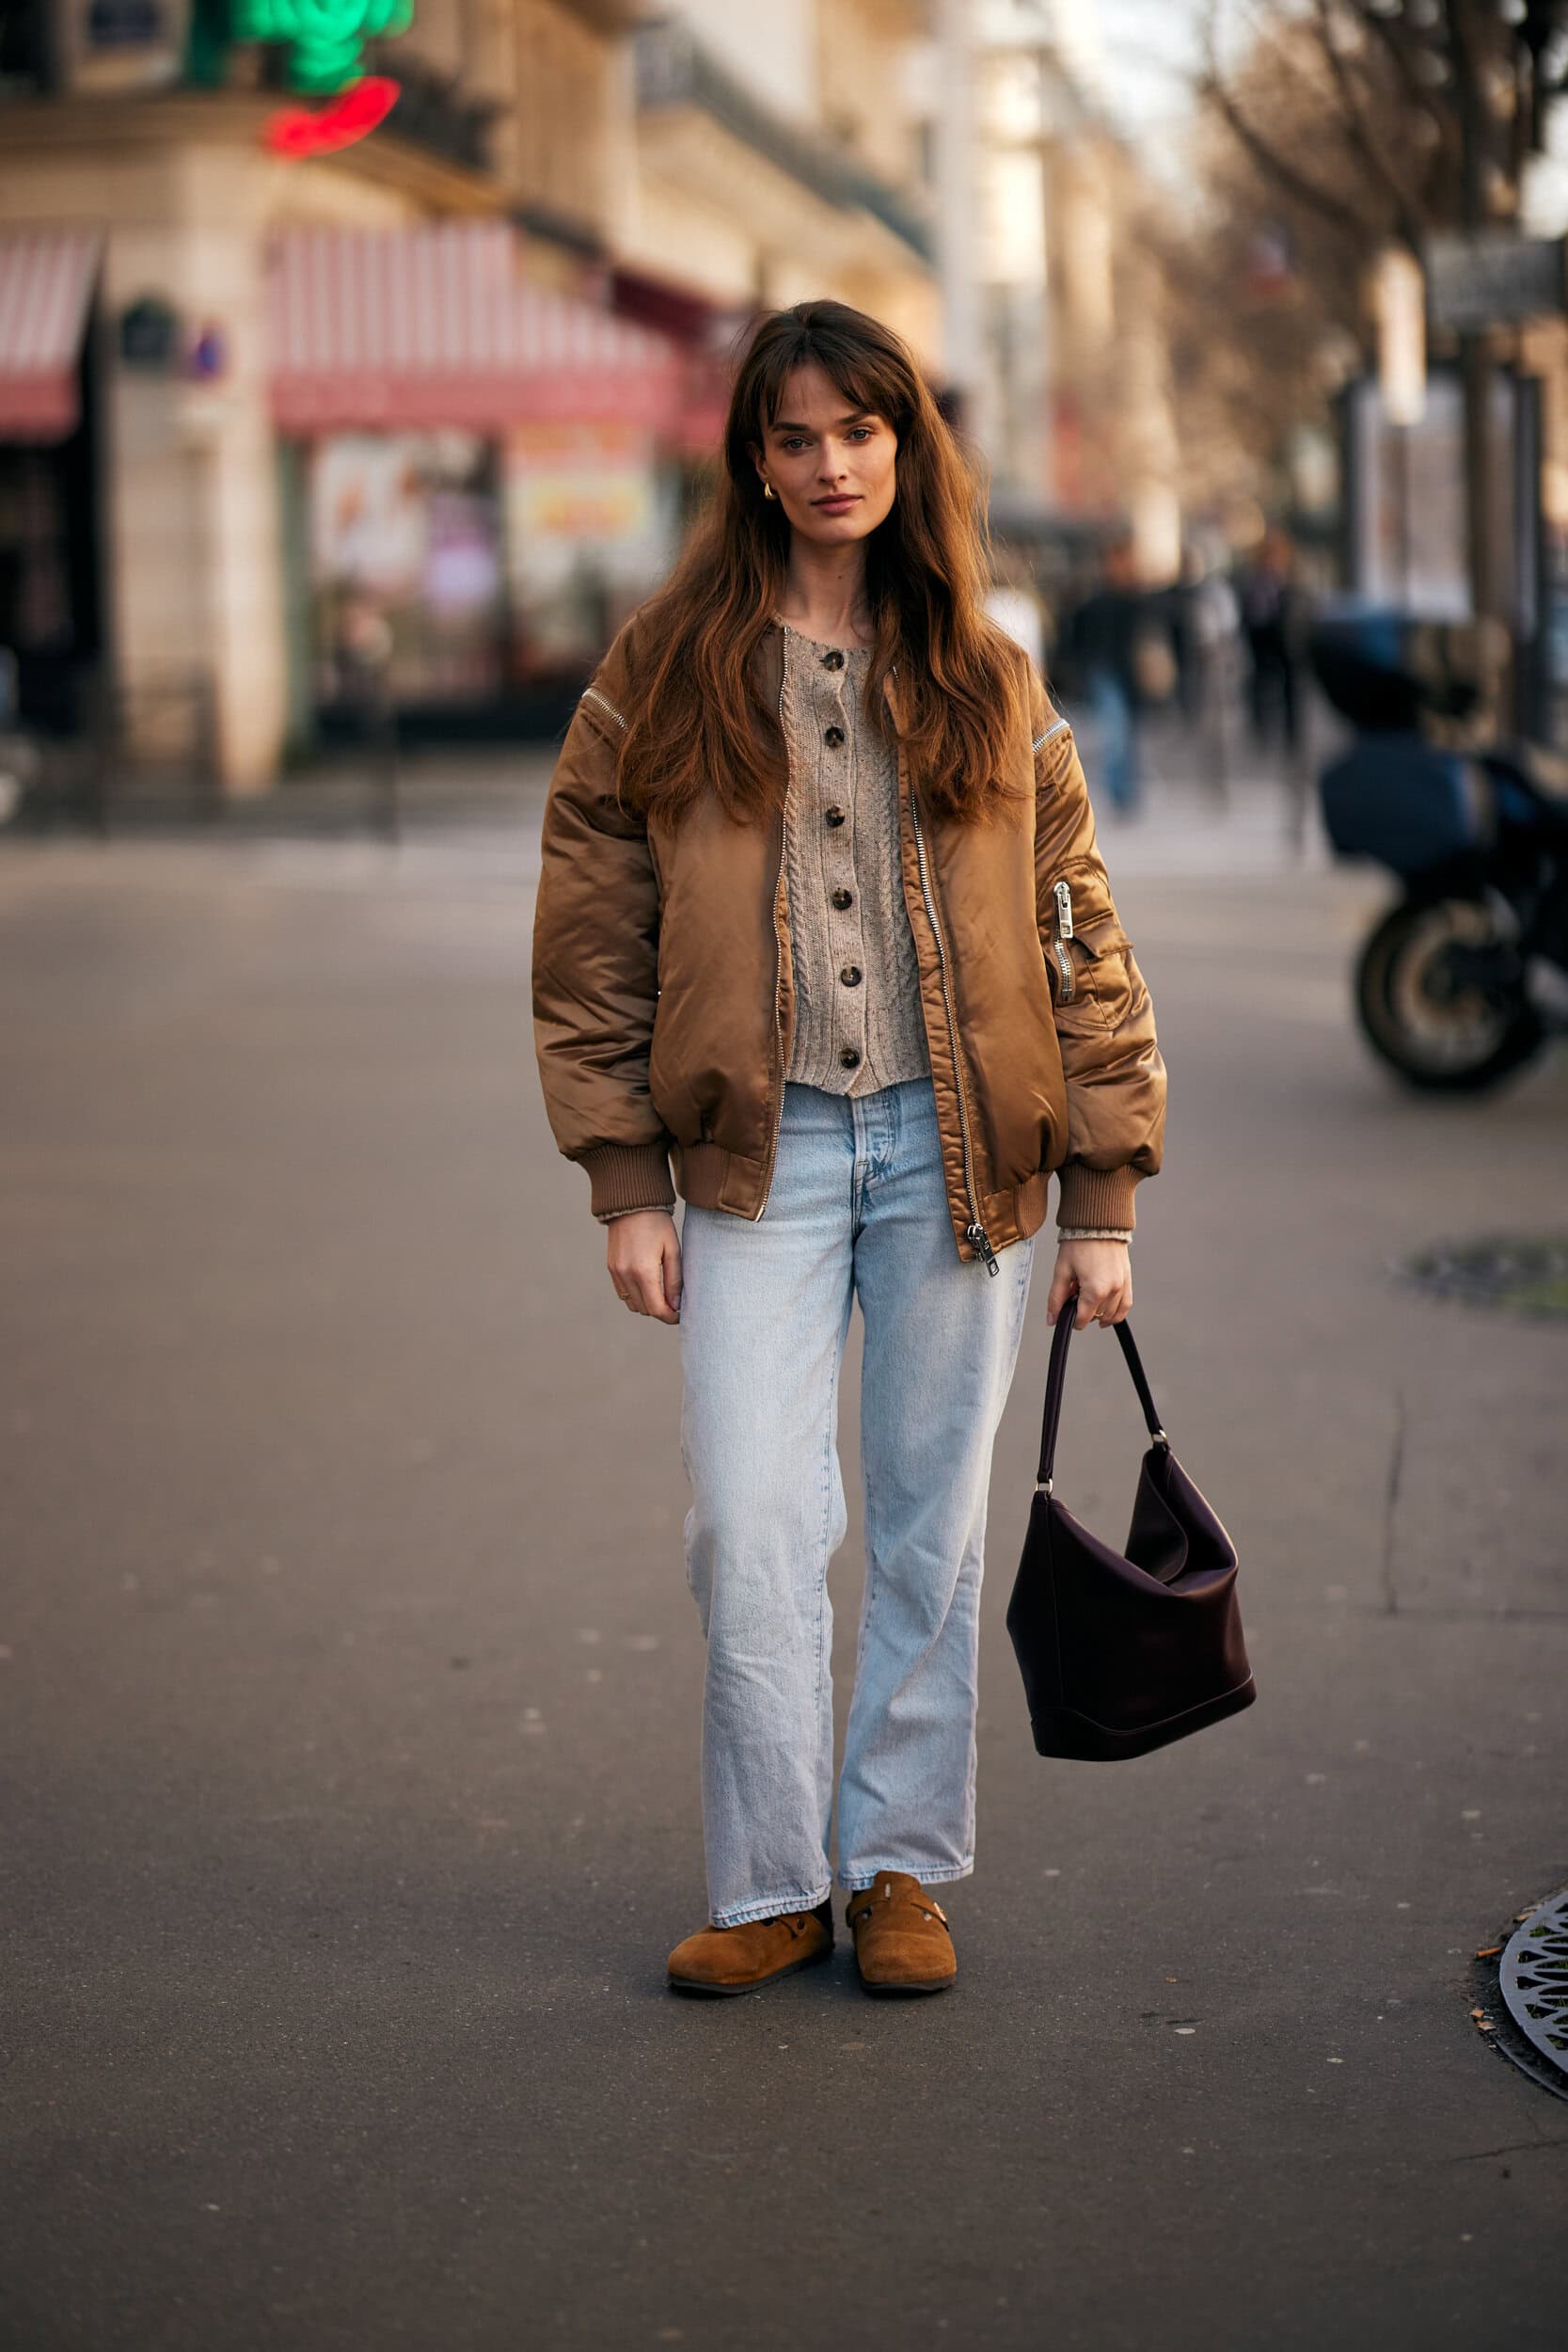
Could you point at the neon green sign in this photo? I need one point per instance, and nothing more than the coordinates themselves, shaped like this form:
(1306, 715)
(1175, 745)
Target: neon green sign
(324, 37)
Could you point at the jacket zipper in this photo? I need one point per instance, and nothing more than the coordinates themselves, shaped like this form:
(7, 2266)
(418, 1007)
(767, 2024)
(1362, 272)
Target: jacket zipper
(974, 1232)
(1064, 932)
(592, 694)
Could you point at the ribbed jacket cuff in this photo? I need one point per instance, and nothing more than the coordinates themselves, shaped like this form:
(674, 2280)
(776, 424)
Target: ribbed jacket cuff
(1096, 1195)
(628, 1176)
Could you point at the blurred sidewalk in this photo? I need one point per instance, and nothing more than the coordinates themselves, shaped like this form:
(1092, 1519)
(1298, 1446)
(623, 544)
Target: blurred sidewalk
(496, 792)
(346, 793)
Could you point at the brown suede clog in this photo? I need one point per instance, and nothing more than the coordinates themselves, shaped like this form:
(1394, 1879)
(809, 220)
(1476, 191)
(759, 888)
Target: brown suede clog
(738, 1959)
(903, 1943)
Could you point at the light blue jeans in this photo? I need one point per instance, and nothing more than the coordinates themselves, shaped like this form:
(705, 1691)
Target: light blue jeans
(1116, 725)
(858, 1208)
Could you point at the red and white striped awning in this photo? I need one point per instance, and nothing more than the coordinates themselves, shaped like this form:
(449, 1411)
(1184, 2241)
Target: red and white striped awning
(435, 326)
(46, 282)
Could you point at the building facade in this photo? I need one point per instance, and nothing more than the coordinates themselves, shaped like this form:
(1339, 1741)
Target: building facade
(1070, 393)
(278, 402)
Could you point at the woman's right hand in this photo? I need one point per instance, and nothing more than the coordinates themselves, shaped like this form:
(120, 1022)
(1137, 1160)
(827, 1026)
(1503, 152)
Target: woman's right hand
(644, 1258)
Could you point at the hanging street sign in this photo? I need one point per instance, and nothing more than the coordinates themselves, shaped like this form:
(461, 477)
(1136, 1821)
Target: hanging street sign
(1491, 278)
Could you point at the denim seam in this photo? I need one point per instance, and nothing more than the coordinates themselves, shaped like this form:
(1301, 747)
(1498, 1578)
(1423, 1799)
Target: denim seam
(830, 1426)
(857, 1179)
(873, 1586)
(944, 1877)
(830, 1444)
(896, 1131)
(774, 1907)
(894, 1111)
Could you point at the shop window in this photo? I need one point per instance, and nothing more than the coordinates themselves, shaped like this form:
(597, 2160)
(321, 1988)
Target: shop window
(407, 569)
(592, 517)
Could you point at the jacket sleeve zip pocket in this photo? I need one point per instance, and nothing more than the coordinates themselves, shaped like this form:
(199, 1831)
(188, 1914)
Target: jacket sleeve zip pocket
(1063, 895)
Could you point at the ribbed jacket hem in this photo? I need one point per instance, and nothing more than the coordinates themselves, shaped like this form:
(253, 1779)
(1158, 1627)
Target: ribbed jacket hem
(628, 1176)
(1096, 1195)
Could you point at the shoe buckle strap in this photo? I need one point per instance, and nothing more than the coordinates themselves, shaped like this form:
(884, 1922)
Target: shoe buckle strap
(868, 1905)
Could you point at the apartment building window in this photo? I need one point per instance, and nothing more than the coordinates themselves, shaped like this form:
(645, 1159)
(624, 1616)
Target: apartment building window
(26, 59)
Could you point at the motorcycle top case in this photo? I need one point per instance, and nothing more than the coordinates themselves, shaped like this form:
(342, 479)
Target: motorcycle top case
(1399, 799)
(1382, 668)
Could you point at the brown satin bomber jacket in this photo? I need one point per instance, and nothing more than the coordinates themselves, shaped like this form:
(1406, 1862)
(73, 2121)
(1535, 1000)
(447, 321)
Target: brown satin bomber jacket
(663, 990)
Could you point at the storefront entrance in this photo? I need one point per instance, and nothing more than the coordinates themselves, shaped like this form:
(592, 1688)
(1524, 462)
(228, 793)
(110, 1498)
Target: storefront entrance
(51, 584)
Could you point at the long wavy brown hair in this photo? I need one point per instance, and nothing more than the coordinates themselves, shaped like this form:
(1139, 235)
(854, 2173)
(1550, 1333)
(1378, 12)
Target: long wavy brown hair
(697, 722)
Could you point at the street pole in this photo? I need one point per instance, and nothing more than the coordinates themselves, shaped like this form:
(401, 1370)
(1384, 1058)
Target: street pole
(1475, 365)
(954, 157)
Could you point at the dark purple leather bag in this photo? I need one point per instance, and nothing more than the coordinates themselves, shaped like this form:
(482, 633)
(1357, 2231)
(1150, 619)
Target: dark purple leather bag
(1122, 1651)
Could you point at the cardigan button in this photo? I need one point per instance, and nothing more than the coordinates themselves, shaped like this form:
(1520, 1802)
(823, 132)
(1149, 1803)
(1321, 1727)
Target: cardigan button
(851, 976)
(833, 737)
(843, 899)
(832, 817)
(834, 660)
(849, 1058)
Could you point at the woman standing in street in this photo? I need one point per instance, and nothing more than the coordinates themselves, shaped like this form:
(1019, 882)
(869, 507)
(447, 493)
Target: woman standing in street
(822, 919)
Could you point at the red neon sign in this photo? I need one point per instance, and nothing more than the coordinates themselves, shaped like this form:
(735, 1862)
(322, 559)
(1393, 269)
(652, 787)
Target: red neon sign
(300, 131)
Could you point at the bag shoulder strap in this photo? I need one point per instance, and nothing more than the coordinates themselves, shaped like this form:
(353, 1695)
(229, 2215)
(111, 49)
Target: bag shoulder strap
(1055, 1382)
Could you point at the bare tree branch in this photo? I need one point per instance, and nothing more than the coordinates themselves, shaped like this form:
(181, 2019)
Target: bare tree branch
(1411, 223)
(1269, 160)
(1393, 31)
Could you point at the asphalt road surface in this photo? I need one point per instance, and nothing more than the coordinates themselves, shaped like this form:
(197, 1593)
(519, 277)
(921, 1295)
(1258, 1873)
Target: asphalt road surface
(349, 1692)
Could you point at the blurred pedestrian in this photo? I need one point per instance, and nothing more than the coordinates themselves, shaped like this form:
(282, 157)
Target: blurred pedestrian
(1105, 639)
(819, 900)
(1209, 625)
(1189, 636)
(1271, 624)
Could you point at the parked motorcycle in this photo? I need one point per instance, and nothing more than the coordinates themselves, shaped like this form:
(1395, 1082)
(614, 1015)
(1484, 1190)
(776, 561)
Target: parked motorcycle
(1467, 976)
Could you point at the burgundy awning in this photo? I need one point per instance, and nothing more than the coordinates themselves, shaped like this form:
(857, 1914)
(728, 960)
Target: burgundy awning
(46, 284)
(435, 326)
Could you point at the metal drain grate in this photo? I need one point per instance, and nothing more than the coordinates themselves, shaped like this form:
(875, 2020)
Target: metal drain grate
(1523, 1274)
(1532, 1978)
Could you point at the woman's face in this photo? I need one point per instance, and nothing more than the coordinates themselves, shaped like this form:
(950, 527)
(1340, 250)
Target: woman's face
(832, 466)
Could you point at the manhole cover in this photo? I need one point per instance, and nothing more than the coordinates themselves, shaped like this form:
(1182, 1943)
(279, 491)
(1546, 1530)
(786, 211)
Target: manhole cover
(1532, 1978)
(1522, 1274)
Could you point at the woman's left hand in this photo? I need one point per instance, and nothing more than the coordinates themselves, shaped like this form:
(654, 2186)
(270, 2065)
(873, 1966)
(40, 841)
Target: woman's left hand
(1101, 1272)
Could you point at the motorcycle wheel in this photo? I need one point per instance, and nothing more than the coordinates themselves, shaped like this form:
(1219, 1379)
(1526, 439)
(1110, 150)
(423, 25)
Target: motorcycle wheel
(1440, 996)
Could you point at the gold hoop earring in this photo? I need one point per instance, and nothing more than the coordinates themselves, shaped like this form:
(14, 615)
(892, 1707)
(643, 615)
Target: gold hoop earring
(768, 491)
